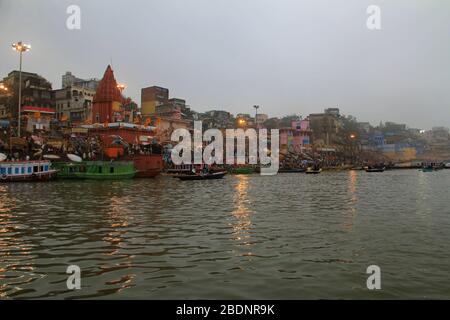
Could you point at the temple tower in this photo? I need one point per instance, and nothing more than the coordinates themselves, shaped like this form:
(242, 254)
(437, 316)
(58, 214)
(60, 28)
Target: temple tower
(107, 102)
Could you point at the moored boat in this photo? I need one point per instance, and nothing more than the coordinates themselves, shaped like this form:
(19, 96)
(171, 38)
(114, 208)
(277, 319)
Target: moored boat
(106, 170)
(375, 169)
(17, 171)
(243, 170)
(147, 165)
(99, 170)
(68, 170)
(207, 176)
(312, 170)
(291, 170)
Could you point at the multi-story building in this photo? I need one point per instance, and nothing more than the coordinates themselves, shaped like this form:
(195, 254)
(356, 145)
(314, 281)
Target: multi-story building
(36, 92)
(152, 97)
(74, 103)
(326, 126)
(261, 118)
(69, 80)
(174, 108)
(217, 119)
(295, 138)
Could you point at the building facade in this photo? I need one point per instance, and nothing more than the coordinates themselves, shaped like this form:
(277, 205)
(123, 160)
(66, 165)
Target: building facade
(36, 92)
(295, 138)
(152, 97)
(69, 80)
(326, 127)
(74, 103)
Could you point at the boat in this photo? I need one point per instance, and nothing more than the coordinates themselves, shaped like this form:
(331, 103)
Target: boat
(17, 171)
(105, 170)
(207, 176)
(431, 168)
(243, 170)
(291, 170)
(375, 169)
(67, 170)
(147, 165)
(312, 170)
(97, 170)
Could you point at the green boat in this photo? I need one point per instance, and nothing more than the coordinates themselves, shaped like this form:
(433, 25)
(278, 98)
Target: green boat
(243, 170)
(96, 170)
(67, 170)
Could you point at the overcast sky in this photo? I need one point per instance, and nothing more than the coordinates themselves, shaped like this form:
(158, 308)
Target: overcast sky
(288, 56)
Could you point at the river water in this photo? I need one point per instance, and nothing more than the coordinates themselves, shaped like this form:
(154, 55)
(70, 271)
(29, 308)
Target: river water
(291, 236)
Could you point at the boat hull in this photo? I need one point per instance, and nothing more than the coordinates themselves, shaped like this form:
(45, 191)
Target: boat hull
(312, 171)
(243, 171)
(376, 170)
(25, 171)
(291, 170)
(213, 176)
(99, 176)
(147, 166)
(40, 176)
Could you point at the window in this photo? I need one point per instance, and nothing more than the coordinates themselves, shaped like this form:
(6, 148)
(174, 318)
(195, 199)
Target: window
(23, 170)
(2, 170)
(46, 168)
(111, 170)
(10, 170)
(35, 169)
(100, 169)
(30, 170)
(16, 170)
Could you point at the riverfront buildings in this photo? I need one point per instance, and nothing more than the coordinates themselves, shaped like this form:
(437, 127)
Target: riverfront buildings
(89, 101)
(36, 92)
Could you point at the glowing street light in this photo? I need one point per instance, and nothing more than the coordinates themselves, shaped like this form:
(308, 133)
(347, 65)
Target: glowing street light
(3, 88)
(21, 48)
(242, 122)
(353, 136)
(121, 87)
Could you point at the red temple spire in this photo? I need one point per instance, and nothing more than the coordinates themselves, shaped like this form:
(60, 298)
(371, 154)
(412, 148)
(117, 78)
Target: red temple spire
(107, 99)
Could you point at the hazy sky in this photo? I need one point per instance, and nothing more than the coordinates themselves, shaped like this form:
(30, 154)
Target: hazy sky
(288, 56)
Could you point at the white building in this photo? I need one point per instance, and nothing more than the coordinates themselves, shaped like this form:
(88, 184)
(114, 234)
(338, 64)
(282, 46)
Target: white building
(74, 103)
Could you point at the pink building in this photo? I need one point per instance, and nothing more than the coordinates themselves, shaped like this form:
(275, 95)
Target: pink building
(295, 138)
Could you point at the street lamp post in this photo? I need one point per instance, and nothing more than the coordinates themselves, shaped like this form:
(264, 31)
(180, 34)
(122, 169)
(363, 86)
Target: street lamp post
(256, 116)
(21, 48)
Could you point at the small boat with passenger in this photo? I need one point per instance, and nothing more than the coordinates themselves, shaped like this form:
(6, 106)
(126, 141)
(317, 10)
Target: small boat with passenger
(375, 169)
(316, 169)
(202, 176)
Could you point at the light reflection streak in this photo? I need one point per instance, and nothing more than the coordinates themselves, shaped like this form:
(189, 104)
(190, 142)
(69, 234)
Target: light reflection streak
(118, 218)
(242, 216)
(352, 212)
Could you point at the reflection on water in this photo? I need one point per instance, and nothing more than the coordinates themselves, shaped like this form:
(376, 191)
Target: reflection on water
(290, 236)
(242, 214)
(352, 210)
